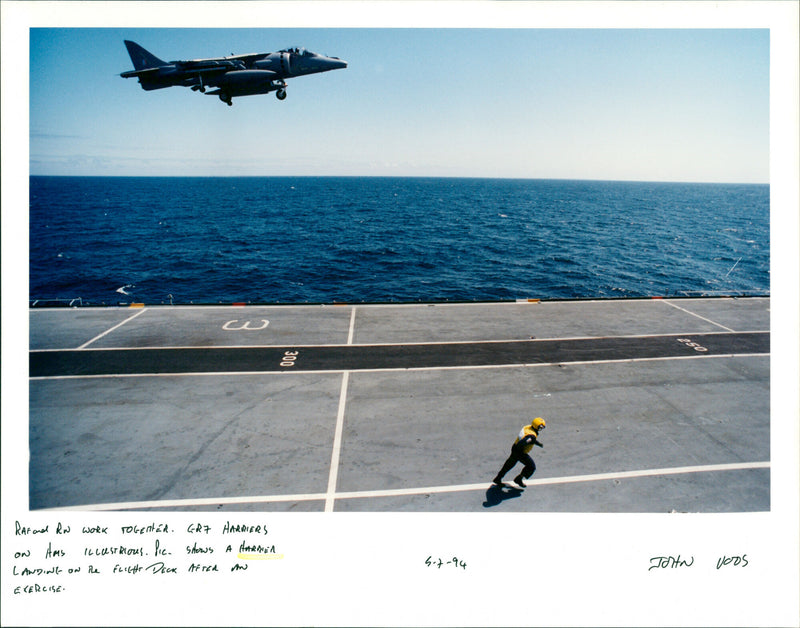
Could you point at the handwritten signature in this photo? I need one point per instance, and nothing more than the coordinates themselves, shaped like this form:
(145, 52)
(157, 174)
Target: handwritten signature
(677, 562)
(669, 562)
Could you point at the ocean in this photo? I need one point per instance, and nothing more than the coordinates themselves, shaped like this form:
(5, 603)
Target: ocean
(162, 240)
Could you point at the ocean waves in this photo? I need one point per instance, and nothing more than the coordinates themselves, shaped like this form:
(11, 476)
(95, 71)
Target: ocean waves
(320, 240)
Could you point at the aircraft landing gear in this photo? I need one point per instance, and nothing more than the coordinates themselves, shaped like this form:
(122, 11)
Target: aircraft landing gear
(281, 94)
(226, 99)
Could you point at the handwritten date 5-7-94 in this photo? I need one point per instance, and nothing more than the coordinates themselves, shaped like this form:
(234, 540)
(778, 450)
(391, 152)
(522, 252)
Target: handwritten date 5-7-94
(438, 562)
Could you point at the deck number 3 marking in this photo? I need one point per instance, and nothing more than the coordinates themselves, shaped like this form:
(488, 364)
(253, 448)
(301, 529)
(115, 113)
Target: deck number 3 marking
(245, 325)
(289, 358)
(693, 345)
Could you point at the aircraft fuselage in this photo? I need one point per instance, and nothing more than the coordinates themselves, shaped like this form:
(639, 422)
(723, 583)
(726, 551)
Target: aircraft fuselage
(233, 76)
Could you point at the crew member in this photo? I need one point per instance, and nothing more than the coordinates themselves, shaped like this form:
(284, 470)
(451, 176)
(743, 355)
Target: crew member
(520, 452)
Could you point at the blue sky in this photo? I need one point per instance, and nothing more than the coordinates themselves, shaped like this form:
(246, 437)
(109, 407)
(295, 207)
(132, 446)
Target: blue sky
(637, 104)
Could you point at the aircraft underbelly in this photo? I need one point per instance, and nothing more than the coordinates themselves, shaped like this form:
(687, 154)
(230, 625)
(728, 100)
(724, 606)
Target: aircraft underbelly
(248, 82)
(151, 85)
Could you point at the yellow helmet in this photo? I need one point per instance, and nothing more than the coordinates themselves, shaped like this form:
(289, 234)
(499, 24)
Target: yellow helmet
(538, 423)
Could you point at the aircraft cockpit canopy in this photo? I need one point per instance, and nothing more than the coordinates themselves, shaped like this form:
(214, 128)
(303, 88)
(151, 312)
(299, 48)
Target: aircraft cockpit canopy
(299, 51)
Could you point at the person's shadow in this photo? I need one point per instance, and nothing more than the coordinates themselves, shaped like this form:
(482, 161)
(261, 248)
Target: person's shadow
(496, 494)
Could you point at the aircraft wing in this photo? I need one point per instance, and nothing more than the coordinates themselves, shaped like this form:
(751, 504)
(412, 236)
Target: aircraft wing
(205, 64)
(145, 73)
(247, 58)
(199, 70)
(230, 61)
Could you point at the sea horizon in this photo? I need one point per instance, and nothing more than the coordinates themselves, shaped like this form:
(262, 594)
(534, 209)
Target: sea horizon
(386, 176)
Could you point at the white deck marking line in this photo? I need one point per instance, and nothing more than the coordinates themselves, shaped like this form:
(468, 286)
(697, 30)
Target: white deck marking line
(352, 326)
(409, 344)
(563, 480)
(108, 331)
(337, 445)
(400, 492)
(404, 368)
(708, 320)
(333, 475)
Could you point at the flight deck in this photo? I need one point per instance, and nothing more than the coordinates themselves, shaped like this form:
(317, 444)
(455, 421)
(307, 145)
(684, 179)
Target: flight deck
(652, 405)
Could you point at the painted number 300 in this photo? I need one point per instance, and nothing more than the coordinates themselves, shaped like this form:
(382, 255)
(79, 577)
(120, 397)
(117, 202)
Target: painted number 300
(289, 358)
(693, 345)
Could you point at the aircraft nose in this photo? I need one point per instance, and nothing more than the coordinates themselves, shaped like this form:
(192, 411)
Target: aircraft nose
(334, 63)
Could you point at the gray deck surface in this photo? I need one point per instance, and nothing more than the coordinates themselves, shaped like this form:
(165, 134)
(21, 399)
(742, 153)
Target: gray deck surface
(651, 406)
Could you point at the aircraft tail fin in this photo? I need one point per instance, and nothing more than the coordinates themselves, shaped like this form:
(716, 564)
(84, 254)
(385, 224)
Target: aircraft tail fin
(142, 59)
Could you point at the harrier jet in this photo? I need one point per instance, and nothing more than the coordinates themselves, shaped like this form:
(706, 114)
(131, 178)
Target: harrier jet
(236, 75)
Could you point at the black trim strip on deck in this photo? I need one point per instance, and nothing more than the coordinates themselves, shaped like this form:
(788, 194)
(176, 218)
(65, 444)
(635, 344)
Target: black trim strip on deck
(368, 357)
